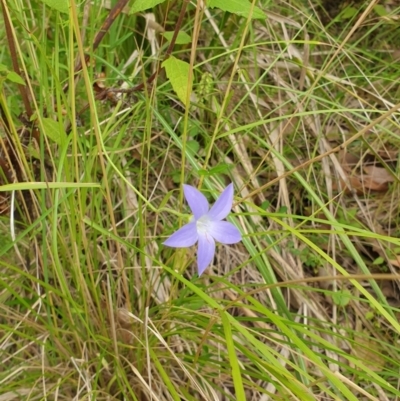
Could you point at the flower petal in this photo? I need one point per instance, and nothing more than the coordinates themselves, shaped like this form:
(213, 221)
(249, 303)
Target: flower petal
(186, 236)
(223, 205)
(197, 201)
(224, 232)
(205, 252)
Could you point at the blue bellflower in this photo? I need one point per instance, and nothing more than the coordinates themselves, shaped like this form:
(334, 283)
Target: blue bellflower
(206, 225)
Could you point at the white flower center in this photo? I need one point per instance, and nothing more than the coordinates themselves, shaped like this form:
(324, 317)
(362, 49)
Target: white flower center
(202, 224)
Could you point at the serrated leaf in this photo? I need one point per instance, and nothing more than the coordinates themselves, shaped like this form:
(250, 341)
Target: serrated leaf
(178, 74)
(182, 39)
(53, 131)
(238, 7)
(14, 77)
(59, 5)
(141, 5)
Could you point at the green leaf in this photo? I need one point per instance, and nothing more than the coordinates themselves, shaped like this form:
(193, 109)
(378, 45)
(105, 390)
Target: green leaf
(190, 300)
(378, 261)
(238, 7)
(283, 210)
(165, 200)
(53, 131)
(33, 151)
(176, 177)
(203, 172)
(265, 205)
(178, 74)
(141, 5)
(221, 169)
(14, 77)
(380, 10)
(165, 376)
(59, 5)
(193, 145)
(23, 186)
(233, 359)
(341, 298)
(182, 39)
(348, 13)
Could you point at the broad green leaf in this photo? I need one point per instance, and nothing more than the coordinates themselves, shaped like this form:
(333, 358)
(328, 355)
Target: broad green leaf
(348, 13)
(381, 10)
(341, 298)
(59, 5)
(182, 39)
(176, 177)
(238, 7)
(14, 77)
(369, 315)
(283, 209)
(141, 5)
(178, 74)
(53, 131)
(193, 145)
(265, 205)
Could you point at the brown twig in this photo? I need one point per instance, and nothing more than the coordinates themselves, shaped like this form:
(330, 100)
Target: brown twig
(167, 54)
(103, 95)
(14, 59)
(116, 10)
(111, 17)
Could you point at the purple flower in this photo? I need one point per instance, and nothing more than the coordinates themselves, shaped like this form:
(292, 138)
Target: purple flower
(206, 225)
